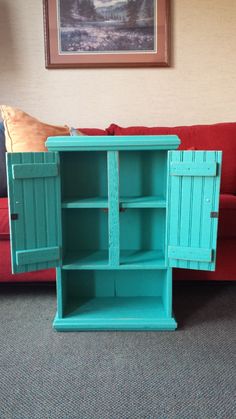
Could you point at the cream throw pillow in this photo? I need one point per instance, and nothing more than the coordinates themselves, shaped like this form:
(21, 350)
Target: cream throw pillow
(25, 133)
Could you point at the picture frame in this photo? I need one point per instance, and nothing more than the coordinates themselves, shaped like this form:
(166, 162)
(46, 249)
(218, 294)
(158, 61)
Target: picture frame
(106, 33)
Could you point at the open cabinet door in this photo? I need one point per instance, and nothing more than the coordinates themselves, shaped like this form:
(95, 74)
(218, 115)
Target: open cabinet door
(34, 210)
(193, 202)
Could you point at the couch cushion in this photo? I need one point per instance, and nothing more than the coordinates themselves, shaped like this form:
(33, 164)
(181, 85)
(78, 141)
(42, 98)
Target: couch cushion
(227, 223)
(3, 177)
(202, 137)
(227, 201)
(4, 219)
(227, 216)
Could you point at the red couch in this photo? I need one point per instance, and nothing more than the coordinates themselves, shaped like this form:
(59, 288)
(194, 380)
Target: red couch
(199, 137)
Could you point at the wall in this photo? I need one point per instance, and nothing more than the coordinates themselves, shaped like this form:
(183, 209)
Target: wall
(199, 87)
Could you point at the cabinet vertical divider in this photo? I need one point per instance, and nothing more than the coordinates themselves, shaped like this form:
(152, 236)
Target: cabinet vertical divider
(113, 208)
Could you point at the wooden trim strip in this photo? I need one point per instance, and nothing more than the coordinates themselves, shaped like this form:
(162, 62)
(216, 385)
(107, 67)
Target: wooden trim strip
(44, 254)
(34, 170)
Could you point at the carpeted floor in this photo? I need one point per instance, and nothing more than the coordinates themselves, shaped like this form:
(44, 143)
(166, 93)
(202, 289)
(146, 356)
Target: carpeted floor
(187, 374)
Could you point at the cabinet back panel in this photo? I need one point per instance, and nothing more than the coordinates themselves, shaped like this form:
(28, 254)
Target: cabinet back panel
(85, 229)
(143, 173)
(84, 174)
(142, 229)
(139, 283)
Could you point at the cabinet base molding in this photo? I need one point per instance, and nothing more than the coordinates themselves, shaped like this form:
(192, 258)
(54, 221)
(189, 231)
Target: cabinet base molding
(75, 325)
(115, 313)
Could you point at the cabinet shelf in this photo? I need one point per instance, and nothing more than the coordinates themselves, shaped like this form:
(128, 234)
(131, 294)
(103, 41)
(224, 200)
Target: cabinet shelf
(89, 259)
(142, 259)
(143, 202)
(95, 202)
(103, 313)
(129, 259)
(125, 202)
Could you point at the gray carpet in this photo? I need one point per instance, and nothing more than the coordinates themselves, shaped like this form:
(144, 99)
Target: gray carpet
(190, 373)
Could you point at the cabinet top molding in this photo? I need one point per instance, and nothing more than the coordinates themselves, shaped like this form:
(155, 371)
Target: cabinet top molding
(127, 142)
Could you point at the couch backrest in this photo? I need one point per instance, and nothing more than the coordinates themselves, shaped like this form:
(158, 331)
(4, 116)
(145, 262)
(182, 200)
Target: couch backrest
(199, 137)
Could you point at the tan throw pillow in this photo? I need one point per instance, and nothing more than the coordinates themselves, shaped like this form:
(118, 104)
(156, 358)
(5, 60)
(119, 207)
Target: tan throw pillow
(25, 133)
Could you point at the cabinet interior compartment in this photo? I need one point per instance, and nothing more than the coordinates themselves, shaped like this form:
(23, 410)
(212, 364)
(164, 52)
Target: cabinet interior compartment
(142, 236)
(85, 237)
(84, 179)
(143, 174)
(106, 299)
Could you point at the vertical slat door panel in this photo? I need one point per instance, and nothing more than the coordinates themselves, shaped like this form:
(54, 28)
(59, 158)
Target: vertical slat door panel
(41, 222)
(185, 208)
(193, 201)
(29, 211)
(195, 223)
(34, 210)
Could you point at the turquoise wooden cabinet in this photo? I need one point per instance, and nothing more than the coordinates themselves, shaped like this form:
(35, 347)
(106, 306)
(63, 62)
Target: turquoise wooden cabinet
(114, 215)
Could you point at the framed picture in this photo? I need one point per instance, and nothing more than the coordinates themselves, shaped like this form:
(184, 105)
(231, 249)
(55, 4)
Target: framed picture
(106, 33)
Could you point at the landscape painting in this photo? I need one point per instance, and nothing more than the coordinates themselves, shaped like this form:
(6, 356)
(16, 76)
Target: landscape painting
(107, 25)
(106, 33)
